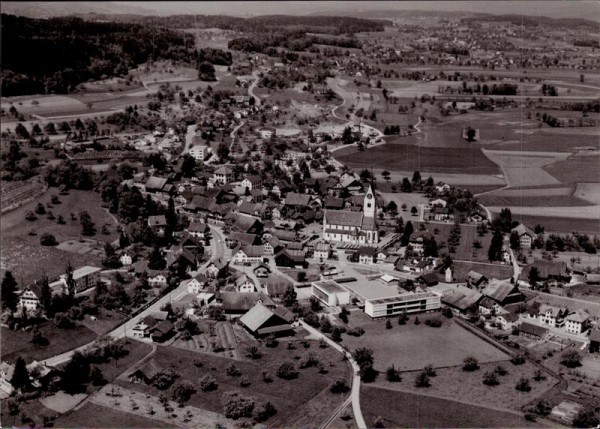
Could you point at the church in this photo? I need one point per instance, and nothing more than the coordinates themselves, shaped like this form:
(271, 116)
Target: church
(347, 226)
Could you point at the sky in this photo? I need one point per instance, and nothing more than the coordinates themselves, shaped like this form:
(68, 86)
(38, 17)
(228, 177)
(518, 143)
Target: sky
(557, 9)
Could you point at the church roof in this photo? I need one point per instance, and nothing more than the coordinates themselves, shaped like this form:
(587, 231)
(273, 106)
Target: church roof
(344, 217)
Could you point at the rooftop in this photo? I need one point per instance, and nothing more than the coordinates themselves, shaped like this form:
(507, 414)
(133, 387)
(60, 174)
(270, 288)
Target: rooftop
(329, 286)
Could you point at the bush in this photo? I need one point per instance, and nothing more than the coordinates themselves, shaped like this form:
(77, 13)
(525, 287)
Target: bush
(252, 352)
(263, 412)
(336, 335)
(571, 359)
(309, 360)
(539, 375)
(392, 374)
(417, 321)
(48, 239)
(183, 392)
(208, 383)
(244, 381)
(267, 377)
(355, 332)
(490, 379)
(271, 341)
(470, 364)
(233, 371)
(388, 324)
(523, 385)
(235, 405)
(422, 380)
(500, 370)
(30, 216)
(340, 386)
(430, 371)
(378, 423)
(325, 325)
(312, 319)
(434, 323)
(518, 359)
(287, 371)
(165, 379)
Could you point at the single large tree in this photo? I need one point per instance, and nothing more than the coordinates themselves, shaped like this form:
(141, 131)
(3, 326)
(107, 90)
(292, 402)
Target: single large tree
(20, 378)
(46, 295)
(9, 292)
(534, 276)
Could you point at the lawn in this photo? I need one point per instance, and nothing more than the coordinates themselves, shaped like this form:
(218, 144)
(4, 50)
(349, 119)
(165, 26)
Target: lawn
(411, 347)
(20, 248)
(401, 409)
(404, 157)
(17, 343)
(302, 401)
(491, 271)
(107, 418)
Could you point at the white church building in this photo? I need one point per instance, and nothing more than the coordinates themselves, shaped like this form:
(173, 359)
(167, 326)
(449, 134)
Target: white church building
(346, 226)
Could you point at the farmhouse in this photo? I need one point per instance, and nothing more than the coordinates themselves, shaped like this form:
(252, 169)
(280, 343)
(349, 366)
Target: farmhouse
(261, 321)
(526, 236)
(552, 316)
(247, 254)
(353, 227)
(243, 284)
(406, 302)
(367, 255)
(240, 303)
(462, 300)
(322, 251)
(330, 293)
(503, 292)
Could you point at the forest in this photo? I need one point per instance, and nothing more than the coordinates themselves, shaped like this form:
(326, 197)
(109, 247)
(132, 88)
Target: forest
(335, 25)
(43, 56)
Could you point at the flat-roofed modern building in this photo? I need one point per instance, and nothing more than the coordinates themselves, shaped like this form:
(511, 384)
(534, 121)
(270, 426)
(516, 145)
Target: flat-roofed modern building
(410, 302)
(84, 277)
(330, 293)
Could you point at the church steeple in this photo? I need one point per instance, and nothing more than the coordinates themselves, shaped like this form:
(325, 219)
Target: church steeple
(369, 205)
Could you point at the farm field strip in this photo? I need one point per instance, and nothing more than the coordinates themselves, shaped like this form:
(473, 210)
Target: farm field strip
(534, 201)
(549, 191)
(588, 212)
(589, 192)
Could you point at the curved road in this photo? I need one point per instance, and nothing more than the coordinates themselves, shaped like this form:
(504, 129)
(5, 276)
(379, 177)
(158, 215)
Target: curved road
(257, 99)
(355, 393)
(218, 245)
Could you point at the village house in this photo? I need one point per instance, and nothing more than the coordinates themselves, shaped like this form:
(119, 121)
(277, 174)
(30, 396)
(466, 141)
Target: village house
(126, 259)
(322, 251)
(29, 300)
(487, 307)
(535, 332)
(223, 175)
(503, 292)
(251, 182)
(198, 229)
(157, 224)
(577, 322)
(507, 320)
(367, 255)
(290, 258)
(552, 316)
(195, 284)
(216, 268)
(247, 254)
(526, 236)
(262, 271)
(243, 284)
(475, 279)
(157, 280)
(199, 152)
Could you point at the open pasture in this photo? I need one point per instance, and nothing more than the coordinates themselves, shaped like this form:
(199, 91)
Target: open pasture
(107, 417)
(43, 105)
(404, 409)
(468, 235)
(542, 191)
(560, 224)
(403, 157)
(587, 212)
(441, 347)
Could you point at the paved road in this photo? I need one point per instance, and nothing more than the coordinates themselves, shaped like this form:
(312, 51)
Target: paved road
(234, 133)
(218, 248)
(355, 393)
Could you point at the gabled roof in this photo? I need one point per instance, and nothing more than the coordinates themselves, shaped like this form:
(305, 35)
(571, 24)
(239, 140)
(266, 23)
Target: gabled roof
(579, 316)
(224, 170)
(243, 279)
(528, 328)
(157, 220)
(198, 227)
(295, 199)
(157, 183)
(461, 299)
(256, 317)
(334, 203)
(498, 290)
(522, 230)
(243, 237)
(344, 217)
(237, 301)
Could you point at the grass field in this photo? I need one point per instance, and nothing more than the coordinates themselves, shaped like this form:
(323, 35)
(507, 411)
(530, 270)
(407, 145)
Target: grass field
(17, 343)
(577, 168)
(589, 192)
(441, 347)
(401, 409)
(293, 399)
(534, 201)
(489, 270)
(403, 157)
(465, 250)
(453, 383)
(20, 248)
(107, 418)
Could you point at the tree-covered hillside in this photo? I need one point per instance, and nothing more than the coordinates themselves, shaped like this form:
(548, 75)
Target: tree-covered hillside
(55, 55)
